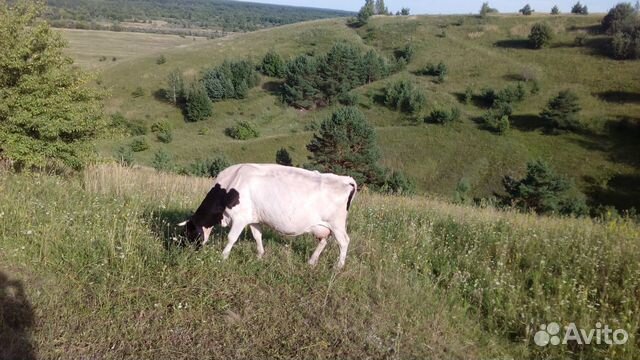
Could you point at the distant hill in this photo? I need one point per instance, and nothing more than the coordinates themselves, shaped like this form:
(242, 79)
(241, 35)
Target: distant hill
(222, 15)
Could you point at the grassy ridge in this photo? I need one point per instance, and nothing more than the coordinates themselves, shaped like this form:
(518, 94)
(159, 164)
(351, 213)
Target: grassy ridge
(479, 53)
(424, 279)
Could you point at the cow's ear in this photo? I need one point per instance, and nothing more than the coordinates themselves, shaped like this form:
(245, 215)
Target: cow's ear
(183, 223)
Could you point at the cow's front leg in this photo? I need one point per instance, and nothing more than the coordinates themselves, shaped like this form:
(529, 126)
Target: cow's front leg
(316, 254)
(257, 235)
(234, 234)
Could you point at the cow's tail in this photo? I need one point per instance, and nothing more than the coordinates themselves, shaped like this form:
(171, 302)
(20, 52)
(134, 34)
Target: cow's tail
(354, 189)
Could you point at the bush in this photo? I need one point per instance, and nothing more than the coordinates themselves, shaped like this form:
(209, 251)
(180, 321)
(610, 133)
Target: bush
(161, 60)
(283, 157)
(198, 105)
(138, 92)
(461, 194)
(439, 69)
(468, 95)
(562, 111)
(509, 95)
(555, 10)
(207, 168)
(619, 19)
(405, 53)
(348, 99)
(543, 191)
(162, 161)
(535, 87)
(540, 36)
(272, 64)
(486, 10)
(441, 116)
(139, 144)
(404, 96)
(124, 155)
(243, 130)
(163, 131)
(497, 122)
(345, 144)
(626, 45)
(399, 184)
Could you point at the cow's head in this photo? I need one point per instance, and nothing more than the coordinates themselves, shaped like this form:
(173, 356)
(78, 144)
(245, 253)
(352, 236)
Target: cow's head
(193, 231)
(210, 213)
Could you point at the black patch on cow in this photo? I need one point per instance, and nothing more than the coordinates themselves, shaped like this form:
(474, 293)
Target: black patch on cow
(351, 194)
(209, 213)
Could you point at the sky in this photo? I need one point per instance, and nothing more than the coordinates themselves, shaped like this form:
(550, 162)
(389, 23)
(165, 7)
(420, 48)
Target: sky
(452, 6)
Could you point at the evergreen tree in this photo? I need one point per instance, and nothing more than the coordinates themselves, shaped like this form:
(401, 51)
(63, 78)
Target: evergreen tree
(580, 9)
(346, 144)
(381, 8)
(540, 36)
(48, 111)
(405, 11)
(562, 111)
(198, 105)
(555, 10)
(162, 161)
(543, 191)
(300, 87)
(373, 67)
(486, 9)
(620, 18)
(283, 157)
(366, 11)
(272, 64)
(526, 10)
(340, 70)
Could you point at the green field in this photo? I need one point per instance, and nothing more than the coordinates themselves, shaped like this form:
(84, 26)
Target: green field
(480, 53)
(90, 268)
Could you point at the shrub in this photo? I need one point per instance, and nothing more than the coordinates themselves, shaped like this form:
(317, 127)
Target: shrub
(626, 45)
(404, 96)
(345, 144)
(509, 95)
(207, 168)
(497, 120)
(124, 155)
(405, 53)
(526, 10)
(138, 92)
(441, 116)
(348, 99)
(162, 161)
(283, 157)
(165, 136)
(139, 144)
(161, 60)
(562, 111)
(243, 130)
(540, 36)
(399, 184)
(620, 18)
(272, 64)
(461, 194)
(555, 10)
(486, 9)
(543, 191)
(175, 91)
(468, 95)
(198, 105)
(405, 11)
(535, 87)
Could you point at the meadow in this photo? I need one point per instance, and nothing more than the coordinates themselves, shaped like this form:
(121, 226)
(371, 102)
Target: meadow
(92, 267)
(479, 53)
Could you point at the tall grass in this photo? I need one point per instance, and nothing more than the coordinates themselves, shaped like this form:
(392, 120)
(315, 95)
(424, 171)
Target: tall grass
(99, 259)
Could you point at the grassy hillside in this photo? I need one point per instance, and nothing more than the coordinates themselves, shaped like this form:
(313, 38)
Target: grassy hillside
(90, 267)
(480, 53)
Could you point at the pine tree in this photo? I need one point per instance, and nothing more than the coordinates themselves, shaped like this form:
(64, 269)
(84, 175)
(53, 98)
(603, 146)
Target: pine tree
(555, 10)
(48, 111)
(381, 8)
(540, 36)
(162, 161)
(346, 144)
(272, 64)
(526, 10)
(562, 111)
(283, 157)
(300, 88)
(543, 191)
(340, 70)
(367, 10)
(198, 105)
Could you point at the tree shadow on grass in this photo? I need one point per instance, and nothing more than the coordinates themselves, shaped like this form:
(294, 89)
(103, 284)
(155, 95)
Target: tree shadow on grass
(273, 87)
(531, 122)
(621, 191)
(620, 97)
(513, 44)
(16, 321)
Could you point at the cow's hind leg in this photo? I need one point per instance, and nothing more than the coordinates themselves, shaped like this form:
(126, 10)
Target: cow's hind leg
(343, 241)
(316, 254)
(257, 235)
(234, 234)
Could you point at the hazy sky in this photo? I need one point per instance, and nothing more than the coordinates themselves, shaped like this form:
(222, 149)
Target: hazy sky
(452, 6)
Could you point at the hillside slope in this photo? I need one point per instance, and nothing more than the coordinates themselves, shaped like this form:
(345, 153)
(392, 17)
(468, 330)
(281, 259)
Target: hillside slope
(479, 53)
(90, 267)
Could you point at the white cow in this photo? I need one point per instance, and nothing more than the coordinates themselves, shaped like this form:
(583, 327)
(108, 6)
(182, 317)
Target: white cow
(290, 200)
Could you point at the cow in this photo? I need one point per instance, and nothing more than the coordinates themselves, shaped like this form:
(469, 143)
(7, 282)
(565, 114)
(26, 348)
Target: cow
(290, 200)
